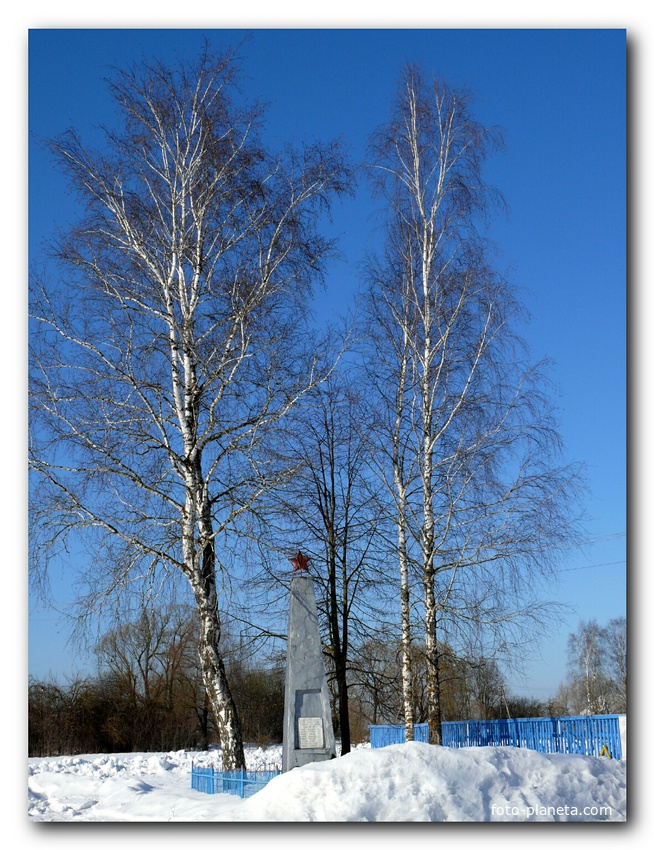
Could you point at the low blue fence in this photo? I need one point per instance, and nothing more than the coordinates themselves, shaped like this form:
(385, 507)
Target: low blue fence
(594, 735)
(244, 783)
(383, 736)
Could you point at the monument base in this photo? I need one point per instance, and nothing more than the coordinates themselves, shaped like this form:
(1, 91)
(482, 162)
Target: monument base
(299, 757)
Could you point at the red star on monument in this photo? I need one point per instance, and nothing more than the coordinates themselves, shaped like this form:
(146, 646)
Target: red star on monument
(300, 562)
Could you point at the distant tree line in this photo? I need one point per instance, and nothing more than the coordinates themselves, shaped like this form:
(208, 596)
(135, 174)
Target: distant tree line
(148, 694)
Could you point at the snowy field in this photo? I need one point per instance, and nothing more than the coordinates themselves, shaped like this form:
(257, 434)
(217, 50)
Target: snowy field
(402, 783)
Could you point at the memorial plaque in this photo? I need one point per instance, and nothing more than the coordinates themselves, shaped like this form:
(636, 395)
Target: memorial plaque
(309, 732)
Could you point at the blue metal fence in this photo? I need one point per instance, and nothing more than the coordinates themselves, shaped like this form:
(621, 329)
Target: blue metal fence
(593, 735)
(382, 736)
(243, 783)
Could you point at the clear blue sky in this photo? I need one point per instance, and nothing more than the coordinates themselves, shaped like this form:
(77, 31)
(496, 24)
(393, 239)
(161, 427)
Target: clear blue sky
(559, 95)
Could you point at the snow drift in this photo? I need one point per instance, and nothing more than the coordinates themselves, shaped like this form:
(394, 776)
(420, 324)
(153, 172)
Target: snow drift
(403, 782)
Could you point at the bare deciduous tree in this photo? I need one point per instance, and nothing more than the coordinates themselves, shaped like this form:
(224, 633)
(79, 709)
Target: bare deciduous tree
(597, 658)
(482, 499)
(330, 511)
(173, 342)
(337, 515)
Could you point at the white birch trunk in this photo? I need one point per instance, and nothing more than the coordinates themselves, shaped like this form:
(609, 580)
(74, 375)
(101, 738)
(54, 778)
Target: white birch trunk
(405, 602)
(401, 496)
(215, 677)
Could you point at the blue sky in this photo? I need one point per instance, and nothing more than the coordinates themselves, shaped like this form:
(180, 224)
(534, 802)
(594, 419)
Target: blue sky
(559, 95)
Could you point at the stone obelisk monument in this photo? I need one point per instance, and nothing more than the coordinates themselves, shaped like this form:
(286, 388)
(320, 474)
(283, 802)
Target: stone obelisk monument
(308, 730)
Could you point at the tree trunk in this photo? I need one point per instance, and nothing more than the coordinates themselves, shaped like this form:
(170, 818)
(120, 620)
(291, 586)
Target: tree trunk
(434, 718)
(203, 719)
(405, 595)
(215, 681)
(338, 638)
(407, 690)
(211, 661)
(343, 707)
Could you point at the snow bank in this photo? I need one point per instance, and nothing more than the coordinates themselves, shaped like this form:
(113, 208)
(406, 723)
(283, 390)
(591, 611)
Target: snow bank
(401, 783)
(418, 782)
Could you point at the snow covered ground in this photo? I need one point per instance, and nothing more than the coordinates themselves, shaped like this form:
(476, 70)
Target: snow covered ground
(401, 783)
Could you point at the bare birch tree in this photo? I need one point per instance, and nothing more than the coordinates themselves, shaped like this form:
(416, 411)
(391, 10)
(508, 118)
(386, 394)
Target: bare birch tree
(173, 341)
(587, 657)
(482, 499)
(597, 658)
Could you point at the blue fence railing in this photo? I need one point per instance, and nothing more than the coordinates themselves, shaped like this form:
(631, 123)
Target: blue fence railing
(243, 783)
(593, 735)
(383, 736)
